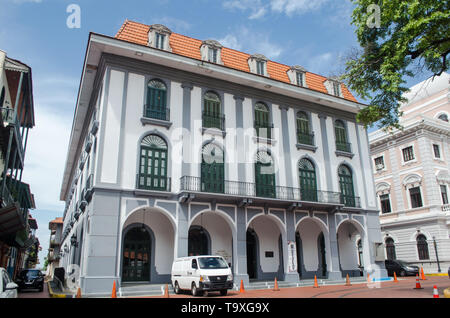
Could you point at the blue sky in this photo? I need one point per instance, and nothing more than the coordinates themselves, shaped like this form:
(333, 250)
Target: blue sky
(313, 34)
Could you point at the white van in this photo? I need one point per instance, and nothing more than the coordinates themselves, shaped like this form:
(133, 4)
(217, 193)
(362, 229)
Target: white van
(201, 273)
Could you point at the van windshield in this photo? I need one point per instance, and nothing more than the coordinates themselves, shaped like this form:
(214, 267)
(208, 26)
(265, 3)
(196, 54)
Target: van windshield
(212, 263)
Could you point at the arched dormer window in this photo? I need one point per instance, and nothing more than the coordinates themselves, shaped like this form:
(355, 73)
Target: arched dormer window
(156, 105)
(153, 164)
(258, 64)
(211, 51)
(262, 121)
(212, 111)
(158, 37)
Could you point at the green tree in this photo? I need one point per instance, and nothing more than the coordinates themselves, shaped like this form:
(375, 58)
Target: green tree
(398, 39)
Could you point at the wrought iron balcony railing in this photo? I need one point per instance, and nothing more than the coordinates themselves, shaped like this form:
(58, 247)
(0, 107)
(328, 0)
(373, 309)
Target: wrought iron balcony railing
(350, 201)
(156, 113)
(305, 138)
(263, 130)
(213, 120)
(248, 189)
(8, 116)
(145, 182)
(344, 146)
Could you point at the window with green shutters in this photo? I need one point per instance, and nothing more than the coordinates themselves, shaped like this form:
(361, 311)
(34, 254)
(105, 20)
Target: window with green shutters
(304, 136)
(156, 106)
(308, 182)
(212, 169)
(341, 136)
(212, 112)
(346, 186)
(262, 121)
(153, 164)
(264, 175)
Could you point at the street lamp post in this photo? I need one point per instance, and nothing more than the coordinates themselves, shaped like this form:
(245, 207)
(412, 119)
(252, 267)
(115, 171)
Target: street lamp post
(437, 256)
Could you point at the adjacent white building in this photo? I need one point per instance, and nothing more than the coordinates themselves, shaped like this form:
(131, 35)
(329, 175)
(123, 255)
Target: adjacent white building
(411, 170)
(185, 147)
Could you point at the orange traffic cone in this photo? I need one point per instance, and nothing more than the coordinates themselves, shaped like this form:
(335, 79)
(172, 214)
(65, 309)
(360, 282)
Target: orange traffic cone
(114, 294)
(418, 283)
(166, 291)
(275, 287)
(78, 293)
(315, 282)
(395, 278)
(242, 290)
(368, 279)
(435, 292)
(347, 282)
(422, 275)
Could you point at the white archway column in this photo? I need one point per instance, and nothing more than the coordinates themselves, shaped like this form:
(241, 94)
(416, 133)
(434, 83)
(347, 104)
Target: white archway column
(334, 272)
(290, 255)
(240, 249)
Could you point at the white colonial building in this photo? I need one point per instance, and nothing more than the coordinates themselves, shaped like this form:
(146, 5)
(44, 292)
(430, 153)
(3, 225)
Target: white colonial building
(185, 147)
(411, 169)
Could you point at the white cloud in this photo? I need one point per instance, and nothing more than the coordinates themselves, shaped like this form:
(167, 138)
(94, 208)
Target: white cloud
(252, 42)
(259, 8)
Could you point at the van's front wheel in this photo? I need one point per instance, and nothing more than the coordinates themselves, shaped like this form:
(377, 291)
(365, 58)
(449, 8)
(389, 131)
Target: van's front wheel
(223, 292)
(195, 291)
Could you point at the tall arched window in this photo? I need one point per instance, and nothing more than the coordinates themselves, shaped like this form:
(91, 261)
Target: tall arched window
(346, 186)
(212, 169)
(342, 143)
(264, 175)
(304, 136)
(153, 164)
(390, 249)
(308, 182)
(212, 111)
(156, 106)
(422, 247)
(262, 121)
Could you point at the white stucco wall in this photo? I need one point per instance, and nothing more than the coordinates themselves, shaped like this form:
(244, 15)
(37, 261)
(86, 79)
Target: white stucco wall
(309, 233)
(268, 235)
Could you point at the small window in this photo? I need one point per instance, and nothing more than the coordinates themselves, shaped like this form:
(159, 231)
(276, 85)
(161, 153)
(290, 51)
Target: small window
(337, 89)
(436, 150)
(194, 264)
(444, 194)
(379, 163)
(260, 67)
(422, 247)
(408, 154)
(160, 41)
(385, 203)
(416, 198)
(212, 55)
(390, 249)
(443, 117)
(300, 78)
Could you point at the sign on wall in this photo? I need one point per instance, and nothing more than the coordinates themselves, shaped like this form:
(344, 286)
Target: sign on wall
(292, 257)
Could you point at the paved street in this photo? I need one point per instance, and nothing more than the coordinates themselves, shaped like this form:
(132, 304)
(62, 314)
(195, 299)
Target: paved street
(403, 289)
(34, 293)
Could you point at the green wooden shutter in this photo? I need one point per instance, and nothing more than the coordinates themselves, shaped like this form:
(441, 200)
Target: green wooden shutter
(308, 182)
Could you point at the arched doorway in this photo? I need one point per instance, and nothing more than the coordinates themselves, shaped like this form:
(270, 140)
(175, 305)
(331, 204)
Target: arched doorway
(351, 251)
(252, 254)
(198, 241)
(136, 255)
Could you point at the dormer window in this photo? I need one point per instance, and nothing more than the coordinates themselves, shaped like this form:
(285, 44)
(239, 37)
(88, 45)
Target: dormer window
(211, 51)
(333, 86)
(297, 76)
(158, 37)
(258, 64)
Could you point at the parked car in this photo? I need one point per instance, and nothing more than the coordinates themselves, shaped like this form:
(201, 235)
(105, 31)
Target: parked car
(30, 279)
(8, 289)
(401, 268)
(201, 273)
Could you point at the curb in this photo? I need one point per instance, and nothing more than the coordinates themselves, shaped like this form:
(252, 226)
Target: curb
(55, 295)
(437, 274)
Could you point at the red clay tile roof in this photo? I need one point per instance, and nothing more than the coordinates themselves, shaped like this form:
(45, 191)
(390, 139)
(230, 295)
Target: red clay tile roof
(57, 220)
(138, 33)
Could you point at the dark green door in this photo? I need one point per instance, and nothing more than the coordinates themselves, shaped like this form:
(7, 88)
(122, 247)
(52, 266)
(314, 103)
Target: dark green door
(156, 106)
(153, 164)
(212, 169)
(264, 176)
(262, 121)
(136, 255)
(212, 113)
(308, 183)
(346, 186)
(197, 242)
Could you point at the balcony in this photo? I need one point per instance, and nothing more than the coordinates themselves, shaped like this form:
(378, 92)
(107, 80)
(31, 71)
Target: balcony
(213, 120)
(89, 188)
(305, 141)
(154, 116)
(146, 184)
(263, 130)
(350, 201)
(344, 149)
(260, 192)
(9, 118)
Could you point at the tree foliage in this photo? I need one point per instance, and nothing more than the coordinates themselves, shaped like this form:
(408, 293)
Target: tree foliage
(410, 38)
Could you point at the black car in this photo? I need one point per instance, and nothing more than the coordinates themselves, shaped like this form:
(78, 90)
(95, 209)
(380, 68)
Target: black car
(401, 268)
(30, 279)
